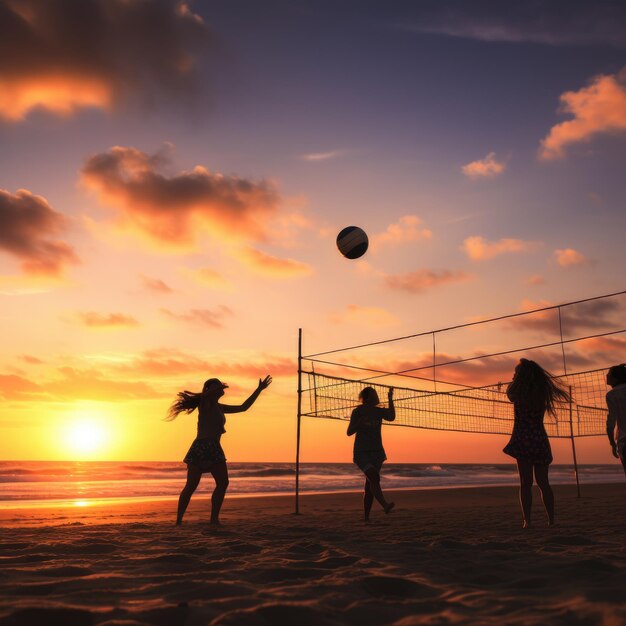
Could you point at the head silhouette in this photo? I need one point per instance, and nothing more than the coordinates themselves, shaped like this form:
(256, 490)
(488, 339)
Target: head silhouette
(369, 396)
(616, 375)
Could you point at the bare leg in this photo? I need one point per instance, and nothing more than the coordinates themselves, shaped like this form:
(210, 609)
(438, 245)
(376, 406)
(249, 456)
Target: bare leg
(373, 477)
(220, 474)
(525, 470)
(541, 476)
(623, 459)
(194, 474)
(368, 500)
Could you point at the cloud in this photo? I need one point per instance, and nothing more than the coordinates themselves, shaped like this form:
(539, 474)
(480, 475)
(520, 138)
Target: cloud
(315, 157)
(535, 279)
(63, 55)
(479, 249)
(568, 257)
(206, 317)
(171, 211)
(596, 315)
(407, 229)
(75, 384)
(14, 387)
(29, 228)
(91, 384)
(599, 108)
(487, 167)
(421, 280)
(273, 266)
(167, 362)
(156, 285)
(558, 22)
(364, 316)
(207, 277)
(92, 319)
(31, 360)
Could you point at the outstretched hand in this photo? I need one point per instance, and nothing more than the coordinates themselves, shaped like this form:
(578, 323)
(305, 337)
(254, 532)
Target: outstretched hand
(390, 394)
(265, 383)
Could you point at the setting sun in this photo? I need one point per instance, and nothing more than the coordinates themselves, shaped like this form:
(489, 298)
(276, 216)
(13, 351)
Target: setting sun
(85, 436)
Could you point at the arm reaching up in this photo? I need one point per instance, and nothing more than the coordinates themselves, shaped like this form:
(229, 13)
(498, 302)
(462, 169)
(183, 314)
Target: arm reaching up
(391, 411)
(263, 384)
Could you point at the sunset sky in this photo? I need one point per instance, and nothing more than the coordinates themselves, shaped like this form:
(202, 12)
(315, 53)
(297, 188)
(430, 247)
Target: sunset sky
(174, 176)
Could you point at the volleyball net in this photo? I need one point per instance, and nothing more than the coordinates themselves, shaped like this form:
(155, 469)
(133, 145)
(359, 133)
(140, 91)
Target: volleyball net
(484, 410)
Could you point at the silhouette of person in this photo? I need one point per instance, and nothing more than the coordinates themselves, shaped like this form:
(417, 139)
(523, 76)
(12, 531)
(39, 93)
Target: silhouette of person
(616, 403)
(205, 453)
(369, 454)
(533, 392)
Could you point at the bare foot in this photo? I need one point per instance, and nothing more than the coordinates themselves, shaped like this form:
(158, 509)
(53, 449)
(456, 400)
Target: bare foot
(179, 522)
(389, 507)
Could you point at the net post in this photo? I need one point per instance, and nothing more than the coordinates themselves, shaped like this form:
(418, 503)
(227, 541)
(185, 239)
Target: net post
(571, 430)
(562, 344)
(434, 362)
(297, 508)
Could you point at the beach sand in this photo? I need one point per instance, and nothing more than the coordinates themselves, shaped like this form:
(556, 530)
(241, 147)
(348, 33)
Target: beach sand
(454, 556)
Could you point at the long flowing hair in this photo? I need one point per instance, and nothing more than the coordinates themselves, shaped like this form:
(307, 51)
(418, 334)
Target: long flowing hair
(537, 385)
(186, 402)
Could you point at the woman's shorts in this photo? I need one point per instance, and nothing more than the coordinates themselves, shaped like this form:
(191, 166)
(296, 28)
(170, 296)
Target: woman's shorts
(368, 459)
(204, 453)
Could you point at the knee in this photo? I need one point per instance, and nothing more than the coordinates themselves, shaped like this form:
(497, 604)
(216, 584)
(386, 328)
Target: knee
(373, 478)
(543, 484)
(190, 488)
(526, 482)
(223, 484)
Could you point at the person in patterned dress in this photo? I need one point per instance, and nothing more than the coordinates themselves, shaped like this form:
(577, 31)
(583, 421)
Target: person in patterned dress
(533, 392)
(369, 454)
(205, 453)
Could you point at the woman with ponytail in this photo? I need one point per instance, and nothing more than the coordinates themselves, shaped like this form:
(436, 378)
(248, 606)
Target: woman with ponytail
(206, 454)
(533, 392)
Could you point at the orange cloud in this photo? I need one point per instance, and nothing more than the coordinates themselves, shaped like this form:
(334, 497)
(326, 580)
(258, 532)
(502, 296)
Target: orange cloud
(421, 280)
(92, 319)
(487, 167)
(208, 277)
(568, 257)
(207, 317)
(364, 315)
(273, 266)
(14, 387)
(28, 230)
(166, 362)
(598, 108)
(173, 210)
(62, 56)
(479, 249)
(535, 279)
(407, 229)
(75, 384)
(156, 285)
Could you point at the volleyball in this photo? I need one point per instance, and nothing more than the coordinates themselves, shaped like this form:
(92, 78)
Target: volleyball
(352, 242)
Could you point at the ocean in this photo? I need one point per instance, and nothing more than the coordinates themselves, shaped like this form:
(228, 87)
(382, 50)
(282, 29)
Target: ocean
(39, 482)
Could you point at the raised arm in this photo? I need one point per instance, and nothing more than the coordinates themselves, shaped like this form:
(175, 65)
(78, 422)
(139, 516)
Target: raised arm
(390, 413)
(263, 384)
(611, 419)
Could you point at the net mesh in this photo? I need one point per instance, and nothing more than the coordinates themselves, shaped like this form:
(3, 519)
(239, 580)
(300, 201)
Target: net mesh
(474, 410)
